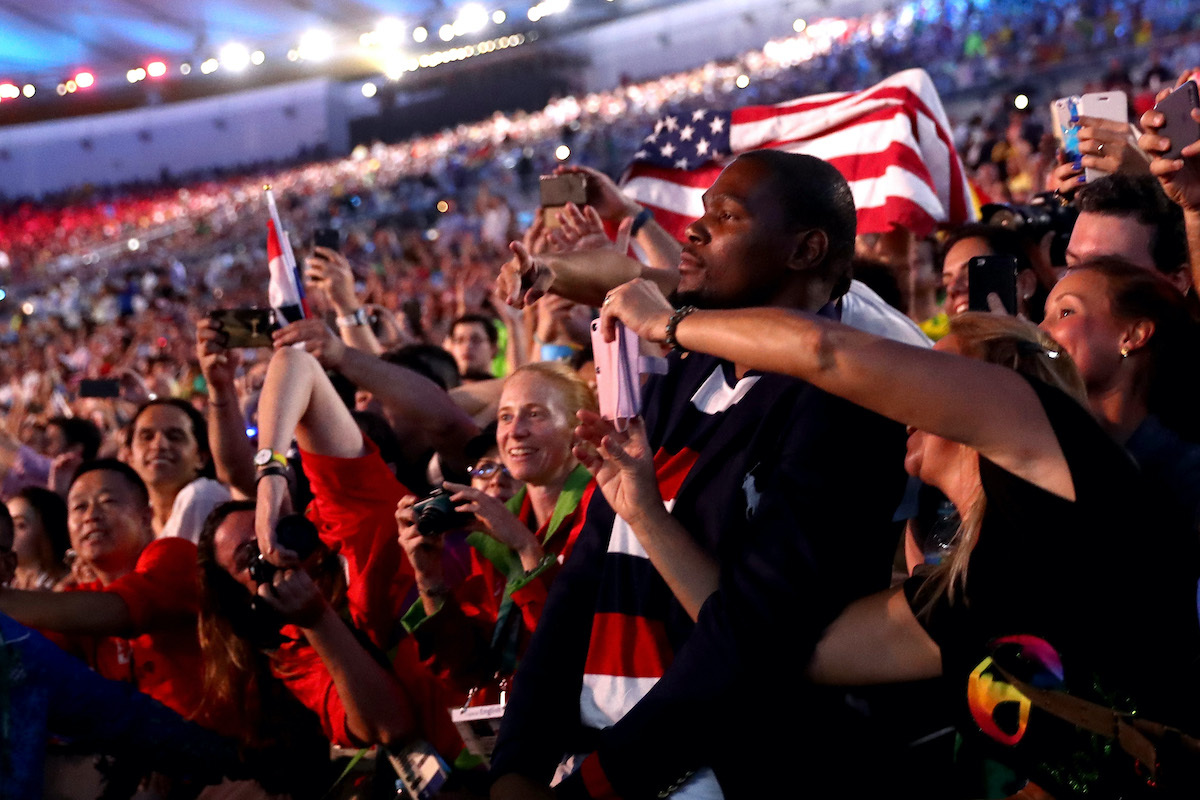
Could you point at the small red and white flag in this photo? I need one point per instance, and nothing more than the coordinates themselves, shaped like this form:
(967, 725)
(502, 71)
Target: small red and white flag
(892, 143)
(285, 291)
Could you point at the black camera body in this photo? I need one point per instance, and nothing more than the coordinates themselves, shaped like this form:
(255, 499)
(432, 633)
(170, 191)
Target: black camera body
(1045, 213)
(296, 533)
(436, 514)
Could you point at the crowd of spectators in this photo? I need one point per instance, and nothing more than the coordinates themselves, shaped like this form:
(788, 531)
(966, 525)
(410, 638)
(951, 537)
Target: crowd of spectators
(418, 498)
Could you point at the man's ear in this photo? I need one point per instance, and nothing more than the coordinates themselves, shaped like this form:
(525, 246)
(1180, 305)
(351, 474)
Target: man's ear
(811, 248)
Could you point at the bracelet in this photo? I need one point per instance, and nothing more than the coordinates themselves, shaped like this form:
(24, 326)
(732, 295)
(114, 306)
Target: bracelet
(673, 323)
(643, 216)
(270, 469)
(356, 319)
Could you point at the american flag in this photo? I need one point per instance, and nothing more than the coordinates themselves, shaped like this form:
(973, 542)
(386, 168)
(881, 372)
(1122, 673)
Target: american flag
(892, 143)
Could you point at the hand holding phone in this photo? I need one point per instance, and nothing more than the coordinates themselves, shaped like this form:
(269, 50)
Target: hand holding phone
(558, 190)
(1178, 124)
(245, 327)
(992, 275)
(327, 237)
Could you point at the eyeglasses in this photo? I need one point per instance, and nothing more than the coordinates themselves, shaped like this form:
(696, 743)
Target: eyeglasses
(486, 469)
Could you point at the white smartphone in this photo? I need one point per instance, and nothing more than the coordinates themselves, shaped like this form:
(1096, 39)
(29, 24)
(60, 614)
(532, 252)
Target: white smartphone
(1105, 105)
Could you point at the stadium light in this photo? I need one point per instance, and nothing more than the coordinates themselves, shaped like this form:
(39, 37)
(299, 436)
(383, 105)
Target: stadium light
(315, 45)
(369, 89)
(420, 34)
(446, 32)
(156, 69)
(209, 66)
(257, 58)
(235, 57)
(29, 90)
(498, 16)
(389, 33)
(85, 80)
(9, 91)
(472, 18)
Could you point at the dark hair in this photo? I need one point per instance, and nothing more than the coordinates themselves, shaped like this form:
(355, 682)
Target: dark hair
(80, 431)
(813, 194)
(489, 328)
(1142, 198)
(1172, 386)
(880, 278)
(52, 511)
(199, 429)
(1001, 241)
(429, 360)
(237, 674)
(119, 467)
(482, 443)
(7, 530)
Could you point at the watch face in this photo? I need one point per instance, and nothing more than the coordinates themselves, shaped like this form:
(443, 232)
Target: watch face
(262, 457)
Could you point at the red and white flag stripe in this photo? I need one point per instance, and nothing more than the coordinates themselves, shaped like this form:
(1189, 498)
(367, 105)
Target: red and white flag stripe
(892, 142)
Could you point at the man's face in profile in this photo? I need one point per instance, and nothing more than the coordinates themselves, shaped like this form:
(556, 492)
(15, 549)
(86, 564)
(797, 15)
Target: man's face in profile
(736, 254)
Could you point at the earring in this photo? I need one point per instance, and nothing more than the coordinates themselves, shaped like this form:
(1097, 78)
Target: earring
(1124, 352)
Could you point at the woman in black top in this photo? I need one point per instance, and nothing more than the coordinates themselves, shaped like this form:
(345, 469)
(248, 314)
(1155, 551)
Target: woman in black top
(1067, 571)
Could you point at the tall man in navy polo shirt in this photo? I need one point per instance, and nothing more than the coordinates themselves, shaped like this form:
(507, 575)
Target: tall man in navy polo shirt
(791, 491)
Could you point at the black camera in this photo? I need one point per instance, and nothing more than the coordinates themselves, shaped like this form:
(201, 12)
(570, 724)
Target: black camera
(1045, 213)
(296, 533)
(436, 514)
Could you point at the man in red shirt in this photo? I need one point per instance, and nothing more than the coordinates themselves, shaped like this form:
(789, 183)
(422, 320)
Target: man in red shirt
(137, 621)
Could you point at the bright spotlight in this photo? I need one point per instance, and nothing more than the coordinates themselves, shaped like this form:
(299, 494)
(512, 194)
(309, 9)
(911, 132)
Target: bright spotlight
(472, 18)
(315, 45)
(389, 33)
(61, 89)
(369, 89)
(85, 80)
(9, 91)
(72, 86)
(742, 81)
(257, 58)
(27, 308)
(1021, 102)
(235, 57)
(29, 90)
(498, 17)
(535, 14)
(156, 69)
(185, 69)
(799, 25)
(562, 152)
(209, 66)
(420, 34)
(446, 32)
(133, 244)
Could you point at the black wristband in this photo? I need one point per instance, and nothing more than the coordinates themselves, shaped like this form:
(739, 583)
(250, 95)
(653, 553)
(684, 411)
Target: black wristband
(673, 323)
(273, 468)
(643, 216)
